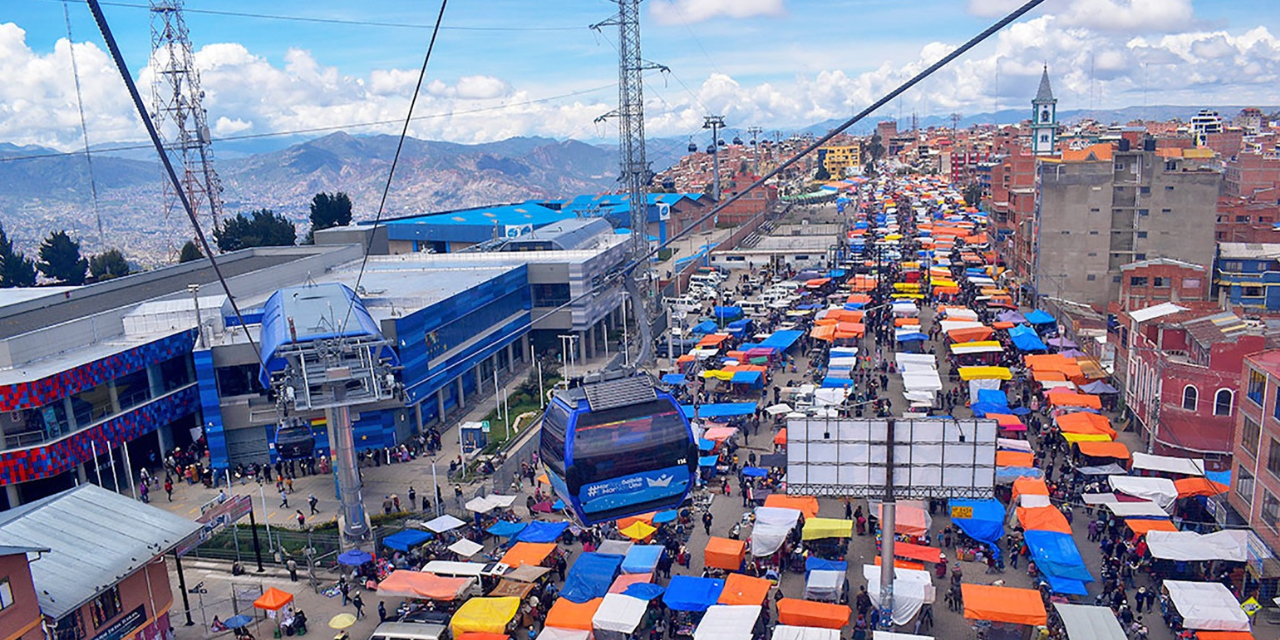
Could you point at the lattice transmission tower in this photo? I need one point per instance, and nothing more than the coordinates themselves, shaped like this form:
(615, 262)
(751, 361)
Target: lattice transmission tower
(180, 117)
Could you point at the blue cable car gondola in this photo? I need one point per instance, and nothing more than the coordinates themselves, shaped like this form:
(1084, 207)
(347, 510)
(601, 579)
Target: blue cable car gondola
(617, 448)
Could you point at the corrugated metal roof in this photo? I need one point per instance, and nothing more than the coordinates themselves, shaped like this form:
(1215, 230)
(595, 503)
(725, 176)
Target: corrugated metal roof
(1248, 251)
(1156, 311)
(95, 538)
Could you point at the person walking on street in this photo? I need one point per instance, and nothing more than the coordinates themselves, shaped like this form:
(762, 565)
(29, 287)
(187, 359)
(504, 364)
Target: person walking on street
(706, 522)
(345, 589)
(312, 502)
(382, 612)
(284, 499)
(358, 603)
(413, 499)
(168, 487)
(302, 520)
(292, 566)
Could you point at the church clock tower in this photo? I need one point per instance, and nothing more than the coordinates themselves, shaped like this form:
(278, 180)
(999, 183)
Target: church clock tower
(1044, 119)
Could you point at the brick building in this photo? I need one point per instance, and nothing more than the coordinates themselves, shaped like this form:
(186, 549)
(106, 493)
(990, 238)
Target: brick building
(1248, 173)
(1150, 282)
(1255, 467)
(1250, 220)
(749, 205)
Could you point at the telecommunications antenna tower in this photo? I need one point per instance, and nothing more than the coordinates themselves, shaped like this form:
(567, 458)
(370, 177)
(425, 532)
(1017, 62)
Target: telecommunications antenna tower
(179, 116)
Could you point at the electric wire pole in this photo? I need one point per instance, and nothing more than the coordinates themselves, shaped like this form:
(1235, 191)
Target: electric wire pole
(714, 123)
(755, 148)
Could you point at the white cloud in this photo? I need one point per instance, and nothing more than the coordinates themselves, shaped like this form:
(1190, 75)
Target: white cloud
(1103, 15)
(691, 11)
(226, 126)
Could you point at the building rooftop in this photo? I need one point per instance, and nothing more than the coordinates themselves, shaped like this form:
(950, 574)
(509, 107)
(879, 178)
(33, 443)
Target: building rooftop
(573, 233)
(1219, 328)
(1163, 261)
(95, 538)
(1248, 251)
(1268, 361)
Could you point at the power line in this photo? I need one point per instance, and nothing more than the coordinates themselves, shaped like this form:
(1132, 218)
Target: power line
(338, 21)
(395, 160)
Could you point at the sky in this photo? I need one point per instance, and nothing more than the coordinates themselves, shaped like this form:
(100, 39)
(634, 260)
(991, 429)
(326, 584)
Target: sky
(504, 68)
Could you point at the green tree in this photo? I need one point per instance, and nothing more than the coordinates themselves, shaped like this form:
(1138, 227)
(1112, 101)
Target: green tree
(875, 148)
(109, 264)
(16, 269)
(973, 194)
(190, 251)
(327, 211)
(60, 259)
(822, 175)
(263, 228)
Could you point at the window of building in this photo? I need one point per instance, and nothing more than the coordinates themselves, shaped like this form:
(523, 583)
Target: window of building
(1115, 279)
(1166, 211)
(1242, 218)
(1189, 397)
(1257, 386)
(1091, 277)
(1170, 187)
(1250, 432)
(1191, 283)
(1144, 190)
(1244, 485)
(1138, 281)
(1139, 256)
(1093, 254)
(69, 627)
(1252, 292)
(6, 594)
(1144, 212)
(1232, 265)
(1159, 282)
(1223, 402)
(1095, 210)
(1142, 234)
(1273, 458)
(550, 294)
(1093, 233)
(106, 606)
(1270, 509)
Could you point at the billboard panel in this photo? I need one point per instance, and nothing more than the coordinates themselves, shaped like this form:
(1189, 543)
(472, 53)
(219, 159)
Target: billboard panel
(932, 458)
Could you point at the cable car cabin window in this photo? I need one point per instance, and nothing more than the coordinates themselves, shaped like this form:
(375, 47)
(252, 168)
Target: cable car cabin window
(636, 439)
(554, 426)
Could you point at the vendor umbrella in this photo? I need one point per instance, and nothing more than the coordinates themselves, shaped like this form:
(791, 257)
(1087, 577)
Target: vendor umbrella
(341, 621)
(354, 558)
(638, 531)
(663, 517)
(235, 622)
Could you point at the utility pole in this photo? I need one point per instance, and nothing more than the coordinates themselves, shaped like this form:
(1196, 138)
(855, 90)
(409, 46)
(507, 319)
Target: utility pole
(714, 123)
(955, 123)
(755, 148)
(179, 117)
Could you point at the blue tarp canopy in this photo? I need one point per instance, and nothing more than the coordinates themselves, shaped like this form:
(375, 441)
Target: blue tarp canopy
(814, 563)
(739, 324)
(407, 539)
(674, 379)
(705, 327)
(642, 558)
(687, 593)
(301, 314)
(781, 340)
(833, 382)
(1025, 338)
(539, 531)
(720, 410)
(854, 306)
(643, 590)
(505, 529)
(591, 576)
(990, 401)
(1056, 554)
(1065, 586)
(663, 517)
(1006, 475)
(707, 461)
(836, 273)
(912, 337)
(747, 377)
(1039, 317)
(705, 444)
(726, 313)
(986, 524)
(754, 472)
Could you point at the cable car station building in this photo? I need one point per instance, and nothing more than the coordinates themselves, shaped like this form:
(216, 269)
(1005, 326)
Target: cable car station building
(100, 380)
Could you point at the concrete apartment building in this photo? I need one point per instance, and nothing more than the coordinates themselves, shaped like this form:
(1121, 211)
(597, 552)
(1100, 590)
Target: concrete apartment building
(1102, 207)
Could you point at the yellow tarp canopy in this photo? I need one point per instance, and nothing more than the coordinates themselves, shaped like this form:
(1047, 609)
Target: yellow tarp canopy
(484, 615)
(822, 528)
(985, 373)
(1073, 438)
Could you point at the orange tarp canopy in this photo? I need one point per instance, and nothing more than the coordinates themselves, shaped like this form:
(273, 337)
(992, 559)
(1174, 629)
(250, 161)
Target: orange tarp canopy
(1003, 604)
(825, 333)
(972, 334)
(1002, 325)
(806, 613)
(1014, 459)
(858, 297)
(906, 322)
(1053, 362)
(476, 635)
(570, 615)
(781, 436)
(1224, 635)
(723, 553)
(1048, 376)
(808, 505)
(1085, 422)
(743, 589)
(903, 564)
(713, 340)
(421, 585)
(1142, 526)
(530, 553)
(917, 552)
(1043, 519)
(1006, 419)
(1188, 487)
(850, 329)
(1106, 450)
(625, 580)
(646, 518)
(1070, 399)
(1029, 487)
(273, 599)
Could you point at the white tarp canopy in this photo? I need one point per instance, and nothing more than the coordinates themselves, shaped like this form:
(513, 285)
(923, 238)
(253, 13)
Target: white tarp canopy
(921, 381)
(788, 632)
(773, 525)
(843, 352)
(556, 633)
(480, 505)
(466, 548)
(444, 523)
(778, 409)
(824, 585)
(957, 313)
(912, 589)
(1085, 622)
(727, 622)
(1161, 491)
(615, 547)
(619, 613)
(455, 569)
(1168, 464)
(915, 360)
(502, 501)
(1190, 546)
(888, 635)
(1050, 385)
(901, 333)
(905, 308)
(843, 361)
(1099, 498)
(1207, 605)
(1030, 501)
(1136, 510)
(1013, 445)
(965, 348)
(951, 325)
(829, 397)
